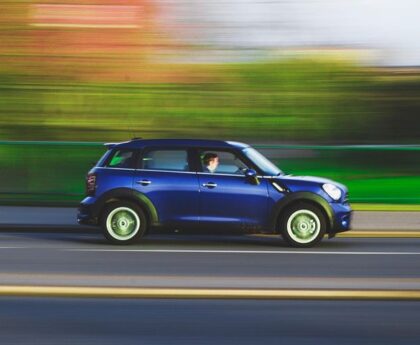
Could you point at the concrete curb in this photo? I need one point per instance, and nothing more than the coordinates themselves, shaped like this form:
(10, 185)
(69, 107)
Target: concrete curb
(47, 228)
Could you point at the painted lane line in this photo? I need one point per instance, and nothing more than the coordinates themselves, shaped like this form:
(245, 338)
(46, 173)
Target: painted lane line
(182, 293)
(15, 247)
(380, 234)
(218, 251)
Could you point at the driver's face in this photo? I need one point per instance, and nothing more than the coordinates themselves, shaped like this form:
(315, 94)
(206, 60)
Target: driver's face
(213, 164)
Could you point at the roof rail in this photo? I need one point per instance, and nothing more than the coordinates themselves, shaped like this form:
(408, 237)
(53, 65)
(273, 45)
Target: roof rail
(110, 145)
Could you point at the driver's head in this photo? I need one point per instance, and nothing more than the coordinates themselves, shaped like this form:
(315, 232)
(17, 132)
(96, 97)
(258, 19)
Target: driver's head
(211, 161)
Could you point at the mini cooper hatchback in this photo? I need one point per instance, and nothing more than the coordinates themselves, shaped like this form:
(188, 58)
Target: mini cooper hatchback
(140, 185)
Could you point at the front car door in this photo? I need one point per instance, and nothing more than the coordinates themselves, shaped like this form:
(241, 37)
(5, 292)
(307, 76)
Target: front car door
(164, 176)
(227, 197)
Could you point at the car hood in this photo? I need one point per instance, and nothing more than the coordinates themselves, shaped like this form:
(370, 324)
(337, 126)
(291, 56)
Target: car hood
(309, 179)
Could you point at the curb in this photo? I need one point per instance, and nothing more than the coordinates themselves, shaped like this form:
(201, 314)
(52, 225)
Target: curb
(47, 228)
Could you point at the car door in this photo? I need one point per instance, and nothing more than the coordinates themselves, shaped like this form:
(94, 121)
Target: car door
(165, 178)
(227, 197)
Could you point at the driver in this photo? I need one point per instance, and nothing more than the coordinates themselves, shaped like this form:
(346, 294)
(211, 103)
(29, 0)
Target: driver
(210, 162)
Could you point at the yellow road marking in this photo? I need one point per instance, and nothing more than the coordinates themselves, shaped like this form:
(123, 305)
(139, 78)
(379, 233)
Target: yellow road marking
(380, 234)
(180, 293)
(385, 207)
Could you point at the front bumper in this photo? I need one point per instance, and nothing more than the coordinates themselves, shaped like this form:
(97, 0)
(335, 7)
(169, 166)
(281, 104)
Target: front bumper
(342, 218)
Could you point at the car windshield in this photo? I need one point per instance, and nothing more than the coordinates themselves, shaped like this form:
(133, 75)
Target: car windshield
(261, 162)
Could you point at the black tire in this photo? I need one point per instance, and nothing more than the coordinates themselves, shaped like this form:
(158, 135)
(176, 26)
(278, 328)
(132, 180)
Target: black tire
(302, 225)
(123, 222)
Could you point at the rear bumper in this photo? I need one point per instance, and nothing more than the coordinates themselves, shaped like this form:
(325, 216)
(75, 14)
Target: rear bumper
(86, 214)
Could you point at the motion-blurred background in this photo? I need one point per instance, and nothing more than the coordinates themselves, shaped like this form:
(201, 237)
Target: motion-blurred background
(322, 87)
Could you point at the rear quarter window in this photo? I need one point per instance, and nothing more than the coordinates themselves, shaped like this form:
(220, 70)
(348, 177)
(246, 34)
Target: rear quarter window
(121, 159)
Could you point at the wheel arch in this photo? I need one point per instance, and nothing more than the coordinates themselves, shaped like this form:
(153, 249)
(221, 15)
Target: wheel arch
(126, 194)
(293, 199)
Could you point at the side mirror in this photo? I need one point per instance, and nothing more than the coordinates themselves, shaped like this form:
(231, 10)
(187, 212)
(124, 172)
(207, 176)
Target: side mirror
(251, 176)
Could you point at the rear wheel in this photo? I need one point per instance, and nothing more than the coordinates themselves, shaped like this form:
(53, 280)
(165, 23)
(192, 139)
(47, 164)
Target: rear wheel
(303, 225)
(123, 223)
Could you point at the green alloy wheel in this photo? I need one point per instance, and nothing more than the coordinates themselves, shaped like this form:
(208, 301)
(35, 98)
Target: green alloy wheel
(123, 223)
(303, 225)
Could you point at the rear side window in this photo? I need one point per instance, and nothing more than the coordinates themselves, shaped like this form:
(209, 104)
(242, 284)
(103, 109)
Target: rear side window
(121, 159)
(174, 160)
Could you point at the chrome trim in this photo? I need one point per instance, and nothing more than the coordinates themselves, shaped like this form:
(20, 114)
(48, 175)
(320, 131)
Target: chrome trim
(218, 174)
(278, 187)
(169, 171)
(115, 168)
(210, 185)
(144, 182)
(182, 172)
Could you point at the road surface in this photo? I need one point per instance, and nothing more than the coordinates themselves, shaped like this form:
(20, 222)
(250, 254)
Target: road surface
(79, 259)
(50, 252)
(184, 322)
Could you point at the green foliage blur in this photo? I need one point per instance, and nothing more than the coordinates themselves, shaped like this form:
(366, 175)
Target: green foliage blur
(307, 100)
(301, 101)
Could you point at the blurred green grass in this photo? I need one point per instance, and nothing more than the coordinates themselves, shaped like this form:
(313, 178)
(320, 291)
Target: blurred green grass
(299, 101)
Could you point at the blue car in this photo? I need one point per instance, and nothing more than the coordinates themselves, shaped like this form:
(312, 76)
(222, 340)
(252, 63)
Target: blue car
(141, 185)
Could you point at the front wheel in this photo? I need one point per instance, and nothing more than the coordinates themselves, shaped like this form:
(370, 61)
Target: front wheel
(303, 225)
(123, 223)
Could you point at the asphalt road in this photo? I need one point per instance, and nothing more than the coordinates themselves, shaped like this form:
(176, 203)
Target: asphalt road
(48, 256)
(113, 321)
(34, 258)
(51, 256)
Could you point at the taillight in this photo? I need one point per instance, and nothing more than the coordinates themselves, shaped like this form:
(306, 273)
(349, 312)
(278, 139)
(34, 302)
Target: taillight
(90, 184)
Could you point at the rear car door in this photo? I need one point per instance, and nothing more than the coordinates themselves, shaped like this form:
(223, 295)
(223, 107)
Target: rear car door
(227, 197)
(164, 176)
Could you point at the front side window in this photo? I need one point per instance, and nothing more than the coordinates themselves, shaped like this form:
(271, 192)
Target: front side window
(173, 160)
(221, 162)
(121, 159)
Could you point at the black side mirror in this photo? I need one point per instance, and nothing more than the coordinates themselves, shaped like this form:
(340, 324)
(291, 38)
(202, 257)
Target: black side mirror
(251, 176)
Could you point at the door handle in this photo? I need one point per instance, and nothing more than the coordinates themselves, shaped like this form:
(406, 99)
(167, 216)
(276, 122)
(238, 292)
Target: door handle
(144, 182)
(210, 185)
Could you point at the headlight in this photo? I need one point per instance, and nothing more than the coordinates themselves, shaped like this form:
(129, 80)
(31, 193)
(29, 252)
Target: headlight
(333, 191)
